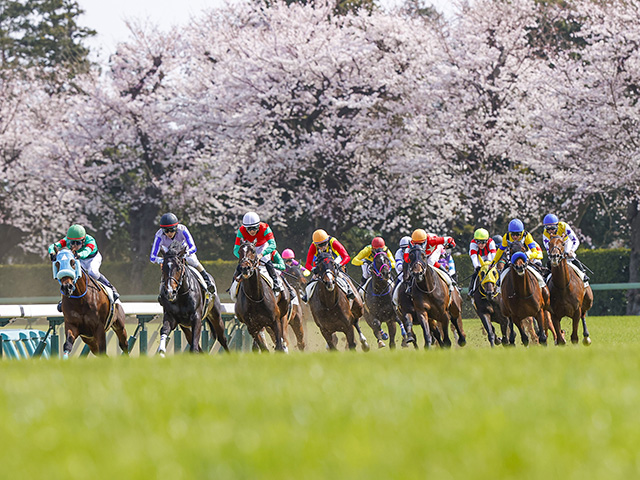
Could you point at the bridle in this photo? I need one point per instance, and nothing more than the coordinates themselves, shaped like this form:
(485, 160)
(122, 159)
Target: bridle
(247, 265)
(556, 252)
(382, 273)
(417, 276)
(168, 262)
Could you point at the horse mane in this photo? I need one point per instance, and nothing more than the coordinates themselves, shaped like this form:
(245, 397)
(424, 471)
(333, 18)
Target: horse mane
(175, 248)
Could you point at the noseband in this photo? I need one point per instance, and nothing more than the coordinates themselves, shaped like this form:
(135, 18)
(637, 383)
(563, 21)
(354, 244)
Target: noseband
(381, 272)
(180, 280)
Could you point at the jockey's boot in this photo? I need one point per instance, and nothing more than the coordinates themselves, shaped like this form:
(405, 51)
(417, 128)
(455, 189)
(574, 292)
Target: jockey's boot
(277, 286)
(102, 279)
(208, 279)
(581, 268)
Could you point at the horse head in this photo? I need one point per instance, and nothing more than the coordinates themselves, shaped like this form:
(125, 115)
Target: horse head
(247, 260)
(173, 270)
(417, 265)
(519, 262)
(381, 266)
(556, 250)
(488, 278)
(326, 270)
(67, 270)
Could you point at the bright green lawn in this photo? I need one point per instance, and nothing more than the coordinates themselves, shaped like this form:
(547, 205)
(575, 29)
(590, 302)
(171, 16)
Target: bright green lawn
(471, 413)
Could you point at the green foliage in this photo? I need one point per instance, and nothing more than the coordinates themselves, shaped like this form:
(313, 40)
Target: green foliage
(404, 414)
(42, 33)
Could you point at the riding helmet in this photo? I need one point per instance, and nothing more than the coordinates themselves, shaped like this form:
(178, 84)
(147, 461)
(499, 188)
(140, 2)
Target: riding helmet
(320, 236)
(288, 254)
(76, 232)
(550, 219)
(419, 236)
(516, 226)
(481, 234)
(404, 241)
(168, 220)
(377, 242)
(250, 219)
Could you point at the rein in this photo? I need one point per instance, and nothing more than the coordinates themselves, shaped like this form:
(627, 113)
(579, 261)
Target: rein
(86, 287)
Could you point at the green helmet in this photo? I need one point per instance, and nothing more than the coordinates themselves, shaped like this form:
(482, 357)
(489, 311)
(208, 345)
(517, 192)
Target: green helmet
(76, 232)
(481, 234)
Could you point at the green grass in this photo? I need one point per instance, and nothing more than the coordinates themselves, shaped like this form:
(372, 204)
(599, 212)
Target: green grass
(471, 413)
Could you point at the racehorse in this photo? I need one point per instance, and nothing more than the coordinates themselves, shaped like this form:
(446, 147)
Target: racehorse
(297, 281)
(569, 297)
(378, 304)
(486, 301)
(523, 297)
(86, 306)
(183, 300)
(331, 309)
(430, 302)
(257, 306)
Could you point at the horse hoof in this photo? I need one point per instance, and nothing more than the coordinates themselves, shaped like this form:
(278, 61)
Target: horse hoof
(65, 356)
(462, 342)
(161, 353)
(381, 344)
(586, 341)
(498, 341)
(365, 346)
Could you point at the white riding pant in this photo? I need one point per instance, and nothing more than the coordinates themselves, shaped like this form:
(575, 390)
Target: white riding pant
(92, 265)
(194, 262)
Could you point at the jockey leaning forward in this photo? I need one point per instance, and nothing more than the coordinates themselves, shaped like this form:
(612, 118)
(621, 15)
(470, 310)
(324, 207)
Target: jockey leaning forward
(171, 230)
(85, 248)
(399, 256)
(322, 242)
(259, 233)
(432, 246)
(482, 249)
(366, 255)
(552, 226)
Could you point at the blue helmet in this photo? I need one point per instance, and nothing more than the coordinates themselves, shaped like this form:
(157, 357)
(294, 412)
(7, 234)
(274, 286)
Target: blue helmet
(550, 219)
(516, 226)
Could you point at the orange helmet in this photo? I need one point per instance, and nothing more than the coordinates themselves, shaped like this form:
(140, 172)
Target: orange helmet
(419, 236)
(377, 242)
(320, 236)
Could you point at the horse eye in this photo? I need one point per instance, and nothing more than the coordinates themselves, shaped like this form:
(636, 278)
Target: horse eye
(57, 265)
(73, 263)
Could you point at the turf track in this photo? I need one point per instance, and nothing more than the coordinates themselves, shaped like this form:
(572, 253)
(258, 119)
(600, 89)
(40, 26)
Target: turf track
(471, 413)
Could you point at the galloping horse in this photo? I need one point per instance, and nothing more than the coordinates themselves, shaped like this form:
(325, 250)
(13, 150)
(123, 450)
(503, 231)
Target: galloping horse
(486, 301)
(523, 297)
(183, 300)
(257, 306)
(378, 304)
(86, 306)
(569, 297)
(431, 302)
(297, 281)
(330, 306)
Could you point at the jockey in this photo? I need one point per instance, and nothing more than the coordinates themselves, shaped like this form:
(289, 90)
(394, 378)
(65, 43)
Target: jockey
(292, 266)
(515, 233)
(497, 239)
(482, 249)
(253, 230)
(399, 256)
(552, 226)
(366, 255)
(171, 230)
(433, 246)
(448, 264)
(322, 242)
(84, 247)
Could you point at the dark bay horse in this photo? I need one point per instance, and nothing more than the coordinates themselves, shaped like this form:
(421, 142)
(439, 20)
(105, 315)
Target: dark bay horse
(86, 307)
(295, 278)
(257, 306)
(331, 309)
(378, 303)
(430, 302)
(183, 300)
(486, 301)
(569, 297)
(522, 296)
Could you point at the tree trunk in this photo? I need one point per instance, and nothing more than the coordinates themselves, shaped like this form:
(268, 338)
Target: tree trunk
(633, 296)
(142, 228)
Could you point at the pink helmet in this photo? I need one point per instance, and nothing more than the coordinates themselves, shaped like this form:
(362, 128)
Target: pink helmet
(288, 253)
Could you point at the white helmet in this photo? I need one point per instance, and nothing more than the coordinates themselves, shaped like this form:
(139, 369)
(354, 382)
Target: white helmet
(250, 219)
(404, 241)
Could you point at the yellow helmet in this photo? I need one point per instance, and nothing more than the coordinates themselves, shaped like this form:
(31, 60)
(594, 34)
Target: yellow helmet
(320, 236)
(419, 236)
(481, 234)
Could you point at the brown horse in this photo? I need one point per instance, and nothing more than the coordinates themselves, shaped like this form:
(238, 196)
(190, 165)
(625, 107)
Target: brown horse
(430, 302)
(522, 296)
(294, 277)
(257, 306)
(378, 304)
(569, 297)
(86, 307)
(183, 300)
(486, 301)
(330, 306)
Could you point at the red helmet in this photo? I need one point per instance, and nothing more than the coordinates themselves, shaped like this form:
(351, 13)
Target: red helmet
(377, 242)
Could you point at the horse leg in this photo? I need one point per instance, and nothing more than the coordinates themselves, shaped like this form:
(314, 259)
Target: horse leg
(523, 334)
(72, 334)
(446, 340)
(392, 334)
(541, 317)
(195, 331)
(486, 323)
(456, 320)
(99, 344)
(351, 337)
(217, 329)
(167, 327)
(423, 320)
(575, 320)
(435, 333)
(560, 340)
(296, 326)
(363, 340)
(586, 340)
(328, 337)
(121, 333)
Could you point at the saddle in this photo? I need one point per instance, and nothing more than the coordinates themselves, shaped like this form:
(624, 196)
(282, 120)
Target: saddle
(535, 272)
(112, 305)
(235, 285)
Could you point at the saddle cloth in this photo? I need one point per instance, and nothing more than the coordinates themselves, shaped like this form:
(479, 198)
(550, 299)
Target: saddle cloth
(537, 274)
(235, 285)
(112, 305)
(340, 282)
(577, 270)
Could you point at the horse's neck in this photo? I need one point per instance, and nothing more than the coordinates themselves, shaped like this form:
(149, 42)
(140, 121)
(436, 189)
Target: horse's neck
(430, 277)
(379, 284)
(185, 286)
(523, 285)
(328, 297)
(253, 284)
(561, 275)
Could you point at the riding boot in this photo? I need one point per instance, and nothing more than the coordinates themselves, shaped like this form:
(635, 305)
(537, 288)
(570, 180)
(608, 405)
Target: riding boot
(59, 307)
(277, 287)
(582, 269)
(107, 283)
(208, 279)
(470, 289)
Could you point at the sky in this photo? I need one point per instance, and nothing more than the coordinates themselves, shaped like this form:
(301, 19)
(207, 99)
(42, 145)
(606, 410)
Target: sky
(109, 18)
